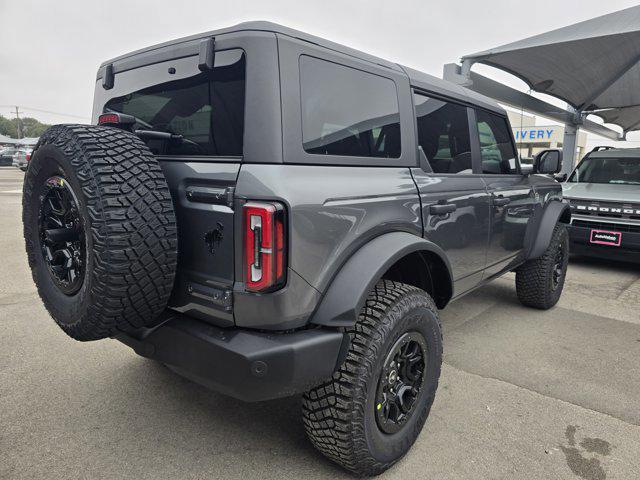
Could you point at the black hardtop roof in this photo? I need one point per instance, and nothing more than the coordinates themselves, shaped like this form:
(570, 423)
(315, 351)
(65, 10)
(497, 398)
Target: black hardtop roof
(417, 78)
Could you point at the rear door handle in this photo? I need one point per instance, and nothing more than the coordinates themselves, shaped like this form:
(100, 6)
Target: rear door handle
(501, 201)
(442, 208)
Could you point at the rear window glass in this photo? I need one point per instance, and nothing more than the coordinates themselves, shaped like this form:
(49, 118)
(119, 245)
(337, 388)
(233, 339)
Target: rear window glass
(348, 112)
(443, 134)
(204, 111)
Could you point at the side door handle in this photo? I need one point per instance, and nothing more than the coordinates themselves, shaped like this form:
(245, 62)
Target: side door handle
(442, 208)
(501, 201)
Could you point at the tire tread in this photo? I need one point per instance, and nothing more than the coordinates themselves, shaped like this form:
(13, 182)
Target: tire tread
(534, 276)
(332, 411)
(133, 228)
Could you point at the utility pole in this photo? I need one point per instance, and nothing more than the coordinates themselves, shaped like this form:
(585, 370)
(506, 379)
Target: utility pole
(19, 127)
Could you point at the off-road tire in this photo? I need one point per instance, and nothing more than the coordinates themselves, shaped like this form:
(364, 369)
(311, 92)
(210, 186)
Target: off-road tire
(339, 415)
(534, 279)
(129, 225)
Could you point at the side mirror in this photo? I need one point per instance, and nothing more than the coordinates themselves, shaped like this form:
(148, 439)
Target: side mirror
(560, 177)
(548, 162)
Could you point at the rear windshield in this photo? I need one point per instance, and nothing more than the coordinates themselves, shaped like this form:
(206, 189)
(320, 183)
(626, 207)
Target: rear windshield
(607, 170)
(204, 109)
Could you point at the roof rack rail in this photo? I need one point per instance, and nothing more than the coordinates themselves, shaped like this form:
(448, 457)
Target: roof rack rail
(601, 147)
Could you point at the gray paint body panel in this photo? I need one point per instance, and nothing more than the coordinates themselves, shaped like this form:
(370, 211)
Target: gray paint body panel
(463, 234)
(333, 211)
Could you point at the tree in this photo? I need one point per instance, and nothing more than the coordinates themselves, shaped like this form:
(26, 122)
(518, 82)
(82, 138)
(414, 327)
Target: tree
(30, 127)
(7, 127)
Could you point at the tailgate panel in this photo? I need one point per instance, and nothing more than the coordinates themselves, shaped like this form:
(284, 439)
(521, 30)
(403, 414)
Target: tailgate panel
(202, 194)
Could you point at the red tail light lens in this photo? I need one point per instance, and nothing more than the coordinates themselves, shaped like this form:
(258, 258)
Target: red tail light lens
(108, 119)
(119, 119)
(27, 157)
(264, 246)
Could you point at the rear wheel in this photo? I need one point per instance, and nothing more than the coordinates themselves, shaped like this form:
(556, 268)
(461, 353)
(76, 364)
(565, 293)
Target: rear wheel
(539, 282)
(99, 229)
(371, 412)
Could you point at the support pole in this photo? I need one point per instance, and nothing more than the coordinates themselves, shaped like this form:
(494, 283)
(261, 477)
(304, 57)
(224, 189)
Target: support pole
(18, 125)
(569, 147)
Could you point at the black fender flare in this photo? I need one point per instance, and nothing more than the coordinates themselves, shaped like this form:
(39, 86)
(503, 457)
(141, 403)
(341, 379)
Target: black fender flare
(349, 289)
(545, 226)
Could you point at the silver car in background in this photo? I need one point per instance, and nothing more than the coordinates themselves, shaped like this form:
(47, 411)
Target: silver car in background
(604, 195)
(21, 158)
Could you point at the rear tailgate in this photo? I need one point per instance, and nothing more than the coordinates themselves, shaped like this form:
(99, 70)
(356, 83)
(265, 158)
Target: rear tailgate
(203, 110)
(203, 199)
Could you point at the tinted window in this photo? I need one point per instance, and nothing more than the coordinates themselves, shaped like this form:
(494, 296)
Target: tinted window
(496, 148)
(347, 111)
(205, 111)
(443, 134)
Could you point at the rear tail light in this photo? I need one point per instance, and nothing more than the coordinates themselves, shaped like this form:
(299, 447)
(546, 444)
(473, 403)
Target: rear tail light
(116, 119)
(264, 246)
(27, 157)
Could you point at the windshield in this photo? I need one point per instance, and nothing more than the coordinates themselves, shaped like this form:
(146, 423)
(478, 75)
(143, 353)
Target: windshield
(607, 170)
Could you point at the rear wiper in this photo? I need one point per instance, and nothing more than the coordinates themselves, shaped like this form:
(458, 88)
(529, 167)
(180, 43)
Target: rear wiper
(174, 138)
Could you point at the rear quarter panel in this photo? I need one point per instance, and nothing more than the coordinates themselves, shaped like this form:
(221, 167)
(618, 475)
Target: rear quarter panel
(333, 211)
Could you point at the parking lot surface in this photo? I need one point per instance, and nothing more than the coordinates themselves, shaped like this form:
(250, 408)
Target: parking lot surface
(524, 394)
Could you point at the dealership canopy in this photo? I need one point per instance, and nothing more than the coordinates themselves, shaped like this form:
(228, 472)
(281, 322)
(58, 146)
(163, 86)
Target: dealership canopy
(594, 65)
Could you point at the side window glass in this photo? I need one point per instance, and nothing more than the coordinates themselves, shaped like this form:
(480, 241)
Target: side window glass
(443, 134)
(496, 148)
(348, 112)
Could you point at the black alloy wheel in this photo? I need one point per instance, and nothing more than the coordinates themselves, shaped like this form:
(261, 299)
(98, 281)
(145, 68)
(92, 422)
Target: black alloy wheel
(558, 267)
(400, 382)
(367, 416)
(62, 235)
(100, 231)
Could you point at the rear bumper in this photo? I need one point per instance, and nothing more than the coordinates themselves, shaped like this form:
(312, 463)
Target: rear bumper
(248, 365)
(628, 251)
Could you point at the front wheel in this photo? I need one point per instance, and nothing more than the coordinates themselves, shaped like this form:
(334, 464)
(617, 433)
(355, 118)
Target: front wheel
(372, 410)
(539, 282)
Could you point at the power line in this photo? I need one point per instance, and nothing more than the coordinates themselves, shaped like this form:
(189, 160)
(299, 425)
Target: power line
(70, 115)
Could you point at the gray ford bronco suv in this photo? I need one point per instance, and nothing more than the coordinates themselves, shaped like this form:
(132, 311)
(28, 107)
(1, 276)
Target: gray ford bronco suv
(269, 213)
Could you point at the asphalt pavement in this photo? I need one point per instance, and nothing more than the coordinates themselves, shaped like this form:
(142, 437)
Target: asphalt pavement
(524, 394)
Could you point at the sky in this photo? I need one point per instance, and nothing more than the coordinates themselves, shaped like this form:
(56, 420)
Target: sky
(50, 50)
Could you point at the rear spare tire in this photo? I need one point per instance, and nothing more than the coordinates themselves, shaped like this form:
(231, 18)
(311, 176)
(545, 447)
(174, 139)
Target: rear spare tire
(100, 230)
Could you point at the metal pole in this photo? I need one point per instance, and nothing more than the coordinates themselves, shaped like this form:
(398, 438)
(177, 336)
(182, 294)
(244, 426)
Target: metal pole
(18, 126)
(569, 147)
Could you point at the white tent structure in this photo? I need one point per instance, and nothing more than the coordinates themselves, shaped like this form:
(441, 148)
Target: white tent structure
(594, 66)
(28, 141)
(4, 140)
